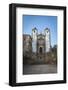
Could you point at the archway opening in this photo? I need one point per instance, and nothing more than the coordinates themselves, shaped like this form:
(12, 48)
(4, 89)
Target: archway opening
(41, 50)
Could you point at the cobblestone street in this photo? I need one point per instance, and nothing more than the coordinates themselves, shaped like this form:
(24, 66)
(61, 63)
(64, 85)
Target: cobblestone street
(39, 69)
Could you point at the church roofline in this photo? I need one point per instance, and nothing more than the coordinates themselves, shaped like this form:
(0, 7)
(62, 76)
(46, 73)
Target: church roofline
(40, 34)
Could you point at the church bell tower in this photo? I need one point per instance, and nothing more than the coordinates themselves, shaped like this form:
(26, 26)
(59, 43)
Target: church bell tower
(34, 40)
(47, 39)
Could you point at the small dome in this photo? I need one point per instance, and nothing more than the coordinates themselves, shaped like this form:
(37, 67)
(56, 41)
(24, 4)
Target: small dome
(34, 28)
(46, 28)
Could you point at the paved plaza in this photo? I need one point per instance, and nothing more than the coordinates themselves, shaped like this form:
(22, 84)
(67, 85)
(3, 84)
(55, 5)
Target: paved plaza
(39, 69)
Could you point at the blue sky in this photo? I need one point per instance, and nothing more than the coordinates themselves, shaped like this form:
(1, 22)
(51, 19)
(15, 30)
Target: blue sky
(41, 22)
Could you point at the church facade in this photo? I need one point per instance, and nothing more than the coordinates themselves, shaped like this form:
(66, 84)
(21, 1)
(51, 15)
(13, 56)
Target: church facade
(36, 46)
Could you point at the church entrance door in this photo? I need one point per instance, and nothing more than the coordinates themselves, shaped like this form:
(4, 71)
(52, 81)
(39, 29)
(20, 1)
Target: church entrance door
(41, 50)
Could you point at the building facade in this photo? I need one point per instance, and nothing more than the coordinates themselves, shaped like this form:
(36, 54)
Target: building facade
(37, 45)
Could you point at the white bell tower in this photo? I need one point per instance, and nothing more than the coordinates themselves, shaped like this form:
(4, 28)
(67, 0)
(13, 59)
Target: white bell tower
(47, 39)
(34, 40)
